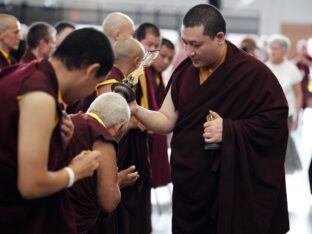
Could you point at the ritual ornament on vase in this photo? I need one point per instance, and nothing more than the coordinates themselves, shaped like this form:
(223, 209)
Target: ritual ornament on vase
(126, 86)
(211, 146)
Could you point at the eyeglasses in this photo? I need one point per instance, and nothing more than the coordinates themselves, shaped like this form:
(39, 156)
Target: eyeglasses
(149, 57)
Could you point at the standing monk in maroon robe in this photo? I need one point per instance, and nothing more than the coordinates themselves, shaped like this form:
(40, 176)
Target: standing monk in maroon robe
(240, 188)
(10, 37)
(133, 213)
(33, 133)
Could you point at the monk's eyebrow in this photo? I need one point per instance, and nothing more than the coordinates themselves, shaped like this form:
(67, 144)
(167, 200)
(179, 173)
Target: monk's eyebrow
(191, 42)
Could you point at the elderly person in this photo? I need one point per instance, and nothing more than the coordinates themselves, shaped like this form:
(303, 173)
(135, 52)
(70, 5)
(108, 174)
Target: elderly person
(100, 128)
(9, 39)
(290, 78)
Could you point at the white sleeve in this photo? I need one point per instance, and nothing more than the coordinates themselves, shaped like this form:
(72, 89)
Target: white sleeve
(296, 74)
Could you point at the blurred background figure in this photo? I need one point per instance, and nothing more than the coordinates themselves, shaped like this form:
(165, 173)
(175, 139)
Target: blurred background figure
(117, 26)
(40, 42)
(63, 28)
(304, 61)
(10, 37)
(249, 45)
(290, 78)
(148, 34)
(18, 54)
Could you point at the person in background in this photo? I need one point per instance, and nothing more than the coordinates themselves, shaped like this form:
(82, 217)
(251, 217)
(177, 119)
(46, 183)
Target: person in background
(129, 53)
(18, 54)
(117, 25)
(249, 45)
(128, 56)
(304, 61)
(290, 79)
(239, 188)
(158, 143)
(34, 132)
(100, 128)
(10, 37)
(136, 204)
(63, 28)
(40, 42)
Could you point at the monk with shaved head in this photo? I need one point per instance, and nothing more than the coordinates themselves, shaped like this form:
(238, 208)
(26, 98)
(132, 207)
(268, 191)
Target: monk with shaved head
(128, 55)
(9, 38)
(117, 26)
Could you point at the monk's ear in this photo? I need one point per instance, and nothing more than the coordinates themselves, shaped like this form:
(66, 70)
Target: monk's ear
(137, 61)
(2, 33)
(117, 130)
(220, 37)
(92, 69)
(117, 35)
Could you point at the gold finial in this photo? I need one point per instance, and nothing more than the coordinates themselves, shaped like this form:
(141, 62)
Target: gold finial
(210, 117)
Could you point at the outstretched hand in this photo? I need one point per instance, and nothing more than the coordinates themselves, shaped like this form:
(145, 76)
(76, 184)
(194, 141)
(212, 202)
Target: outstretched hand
(127, 177)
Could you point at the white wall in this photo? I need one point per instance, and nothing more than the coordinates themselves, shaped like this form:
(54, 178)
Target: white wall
(274, 12)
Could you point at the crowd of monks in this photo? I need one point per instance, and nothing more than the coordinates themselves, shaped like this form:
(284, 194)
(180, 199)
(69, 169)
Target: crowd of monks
(139, 155)
(75, 157)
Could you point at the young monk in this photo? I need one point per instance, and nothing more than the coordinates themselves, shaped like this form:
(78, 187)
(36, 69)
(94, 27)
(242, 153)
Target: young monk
(33, 180)
(239, 188)
(40, 42)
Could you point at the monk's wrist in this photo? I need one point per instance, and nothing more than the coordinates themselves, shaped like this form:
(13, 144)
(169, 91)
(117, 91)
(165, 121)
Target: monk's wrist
(134, 109)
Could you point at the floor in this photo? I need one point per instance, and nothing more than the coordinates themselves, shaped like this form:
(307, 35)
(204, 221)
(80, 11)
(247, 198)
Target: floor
(298, 190)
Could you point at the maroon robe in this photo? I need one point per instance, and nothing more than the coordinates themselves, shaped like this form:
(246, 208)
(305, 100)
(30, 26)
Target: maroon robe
(157, 143)
(115, 73)
(239, 189)
(84, 193)
(4, 62)
(50, 214)
(28, 56)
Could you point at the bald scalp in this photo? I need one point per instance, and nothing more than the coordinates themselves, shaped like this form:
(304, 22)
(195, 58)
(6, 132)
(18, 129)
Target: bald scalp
(6, 20)
(127, 49)
(116, 21)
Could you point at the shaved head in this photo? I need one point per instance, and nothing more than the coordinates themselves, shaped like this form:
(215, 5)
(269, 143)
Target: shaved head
(10, 35)
(118, 26)
(6, 21)
(127, 49)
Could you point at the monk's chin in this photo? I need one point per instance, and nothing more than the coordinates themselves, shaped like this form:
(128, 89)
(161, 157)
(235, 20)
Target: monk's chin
(197, 65)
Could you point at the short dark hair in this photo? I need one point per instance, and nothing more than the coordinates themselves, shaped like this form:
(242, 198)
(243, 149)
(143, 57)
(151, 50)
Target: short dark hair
(84, 47)
(208, 16)
(167, 43)
(38, 31)
(146, 28)
(61, 25)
